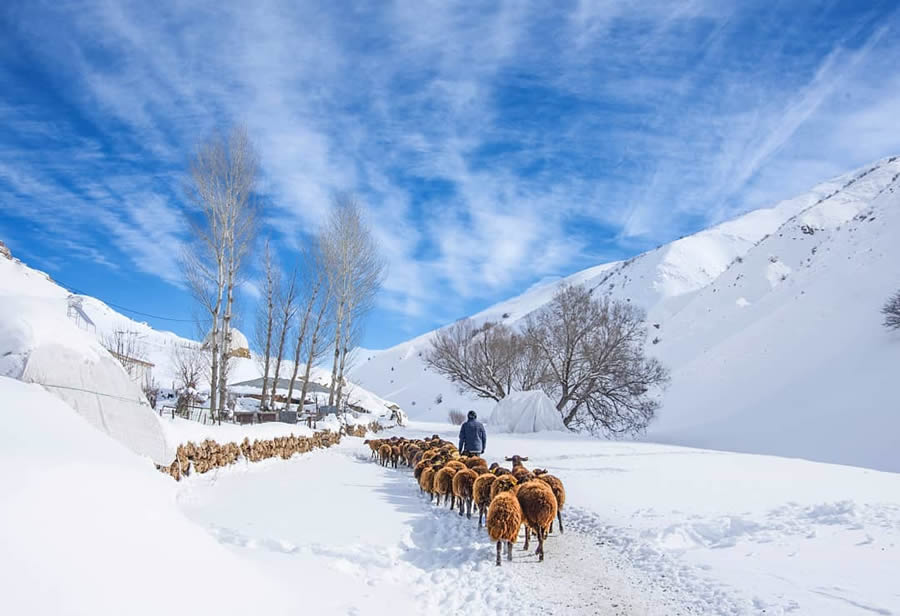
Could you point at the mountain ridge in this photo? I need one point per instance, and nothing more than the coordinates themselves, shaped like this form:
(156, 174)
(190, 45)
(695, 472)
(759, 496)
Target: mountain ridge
(754, 260)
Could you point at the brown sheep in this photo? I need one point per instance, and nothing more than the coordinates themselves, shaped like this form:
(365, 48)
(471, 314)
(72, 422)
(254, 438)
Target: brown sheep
(522, 474)
(395, 456)
(417, 471)
(384, 454)
(504, 483)
(504, 519)
(426, 481)
(456, 464)
(463, 485)
(482, 494)
(559, 491)
(443, 485)
(473, 461)
(517, 461)
(538, 510)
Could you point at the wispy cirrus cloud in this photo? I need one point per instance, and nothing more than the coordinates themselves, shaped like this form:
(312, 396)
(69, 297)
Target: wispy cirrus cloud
(493, 144)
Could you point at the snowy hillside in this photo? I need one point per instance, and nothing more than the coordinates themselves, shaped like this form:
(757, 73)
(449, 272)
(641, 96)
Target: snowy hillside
(40, 342)
(769, 323)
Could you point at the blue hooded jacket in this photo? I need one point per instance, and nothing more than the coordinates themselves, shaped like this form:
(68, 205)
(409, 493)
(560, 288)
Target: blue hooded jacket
(472, 437)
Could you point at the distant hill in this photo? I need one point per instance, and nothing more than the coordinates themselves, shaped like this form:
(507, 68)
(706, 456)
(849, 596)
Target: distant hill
(769, 322)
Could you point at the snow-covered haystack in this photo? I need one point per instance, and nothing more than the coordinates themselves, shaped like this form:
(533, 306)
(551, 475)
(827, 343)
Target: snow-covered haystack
(526, 411)
(239, 346)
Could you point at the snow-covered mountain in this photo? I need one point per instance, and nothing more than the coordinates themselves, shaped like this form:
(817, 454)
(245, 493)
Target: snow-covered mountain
(770, 324)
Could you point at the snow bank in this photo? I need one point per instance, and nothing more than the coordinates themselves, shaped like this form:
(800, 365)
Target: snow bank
(39, 344)
(526, 411)
(89, 528)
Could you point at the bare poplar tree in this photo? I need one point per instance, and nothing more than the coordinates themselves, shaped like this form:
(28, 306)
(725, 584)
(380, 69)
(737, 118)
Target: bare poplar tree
(355, 271)
(316, 343)
(221, 182)
(596, 364)
(286, 310)
(265, 320)
(314, 283)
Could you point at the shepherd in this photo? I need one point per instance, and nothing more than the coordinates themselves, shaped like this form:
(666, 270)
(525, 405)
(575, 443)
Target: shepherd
(472, 438)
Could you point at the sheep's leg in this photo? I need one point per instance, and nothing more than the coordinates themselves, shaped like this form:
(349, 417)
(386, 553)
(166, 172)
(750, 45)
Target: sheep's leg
(498, 552)
(527, 538)
(509, 550)
(480, 515)
(452, 502)
(551, 526)
(540, 534)
(460, 501)
(559, 516)
(469, 508)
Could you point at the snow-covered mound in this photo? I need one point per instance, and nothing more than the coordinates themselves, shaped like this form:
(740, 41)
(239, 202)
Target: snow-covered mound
(77, 507)
(770, 324)
(39, 344)
(526, 411)
(239, 347)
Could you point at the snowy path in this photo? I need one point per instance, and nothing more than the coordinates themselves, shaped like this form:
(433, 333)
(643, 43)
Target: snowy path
(365, 539)
(651, 529)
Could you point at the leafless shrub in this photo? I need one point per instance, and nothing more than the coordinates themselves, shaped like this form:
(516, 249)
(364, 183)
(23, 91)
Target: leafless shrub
(891, 312)
(128, 348)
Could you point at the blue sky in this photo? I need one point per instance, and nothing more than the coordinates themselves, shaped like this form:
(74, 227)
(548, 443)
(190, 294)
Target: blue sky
(494, 145)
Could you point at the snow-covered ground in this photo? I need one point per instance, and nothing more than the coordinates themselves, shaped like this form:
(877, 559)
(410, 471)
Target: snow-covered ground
(88, 527)
(651, 529)
(769, 323)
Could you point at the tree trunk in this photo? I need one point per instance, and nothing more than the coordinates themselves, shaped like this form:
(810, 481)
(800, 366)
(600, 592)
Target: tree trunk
(214, 365)
(344, 344)
(300, 336)
(338, 340)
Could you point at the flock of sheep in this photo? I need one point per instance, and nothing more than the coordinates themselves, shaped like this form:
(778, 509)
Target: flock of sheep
(209, 454)
(506, 498)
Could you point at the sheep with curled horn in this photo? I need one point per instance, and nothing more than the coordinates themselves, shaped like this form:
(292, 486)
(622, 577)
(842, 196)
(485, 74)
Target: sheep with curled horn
(538, 511)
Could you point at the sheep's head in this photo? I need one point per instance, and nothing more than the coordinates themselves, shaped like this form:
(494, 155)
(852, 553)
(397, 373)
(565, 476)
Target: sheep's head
(516, 460)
